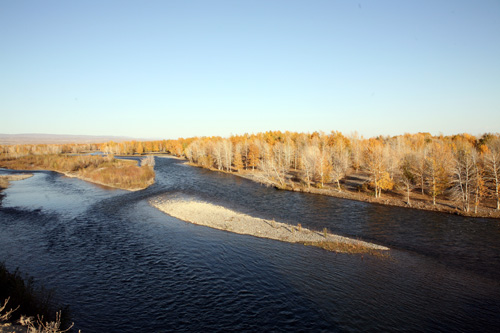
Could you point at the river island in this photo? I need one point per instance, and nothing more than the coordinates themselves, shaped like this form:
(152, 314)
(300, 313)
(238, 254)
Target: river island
(103, 170)
(219, 217)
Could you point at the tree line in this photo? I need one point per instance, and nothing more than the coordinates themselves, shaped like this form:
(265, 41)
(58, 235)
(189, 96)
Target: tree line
(113, 148)
(462, 168)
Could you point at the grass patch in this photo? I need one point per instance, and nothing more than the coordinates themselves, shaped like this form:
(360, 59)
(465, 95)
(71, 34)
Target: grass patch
(351, 248)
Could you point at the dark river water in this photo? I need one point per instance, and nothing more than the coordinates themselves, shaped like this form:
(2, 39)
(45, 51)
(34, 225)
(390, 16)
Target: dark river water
(123, 266)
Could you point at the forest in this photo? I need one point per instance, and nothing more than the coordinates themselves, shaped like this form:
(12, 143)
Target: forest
(458, 173)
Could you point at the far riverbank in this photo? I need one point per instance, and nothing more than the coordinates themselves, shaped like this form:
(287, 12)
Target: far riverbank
(352, 190)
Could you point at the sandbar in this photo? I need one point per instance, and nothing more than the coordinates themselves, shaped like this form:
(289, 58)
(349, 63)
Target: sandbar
(219, 217)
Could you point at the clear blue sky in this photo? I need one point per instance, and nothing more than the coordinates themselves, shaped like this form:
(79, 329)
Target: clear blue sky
(169, 69)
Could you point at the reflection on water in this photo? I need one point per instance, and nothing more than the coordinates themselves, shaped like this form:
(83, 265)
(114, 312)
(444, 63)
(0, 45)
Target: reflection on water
(123, 266)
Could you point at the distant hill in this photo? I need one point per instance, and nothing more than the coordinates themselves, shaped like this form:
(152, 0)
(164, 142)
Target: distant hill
(31, 138)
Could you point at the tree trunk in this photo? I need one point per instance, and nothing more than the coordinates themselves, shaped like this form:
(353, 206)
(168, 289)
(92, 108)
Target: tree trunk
(434, 192)
(408, 195)
(498, 199)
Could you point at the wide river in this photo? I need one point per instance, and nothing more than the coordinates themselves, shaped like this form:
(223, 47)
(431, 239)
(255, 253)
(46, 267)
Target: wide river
(123, 266)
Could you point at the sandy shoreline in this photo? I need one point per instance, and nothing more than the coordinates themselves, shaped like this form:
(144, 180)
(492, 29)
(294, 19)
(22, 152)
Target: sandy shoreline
(218, 217)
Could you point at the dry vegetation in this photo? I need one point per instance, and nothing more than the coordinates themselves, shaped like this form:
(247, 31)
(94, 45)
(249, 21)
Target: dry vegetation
(5, 179)
(104, 170)
(358, 247)
(457, 174)
(23, 302)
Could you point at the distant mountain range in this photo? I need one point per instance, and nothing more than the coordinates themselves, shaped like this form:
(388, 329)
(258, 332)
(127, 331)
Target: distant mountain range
(32, 138)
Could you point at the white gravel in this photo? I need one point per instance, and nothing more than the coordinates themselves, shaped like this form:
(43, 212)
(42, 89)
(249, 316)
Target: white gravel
(218, 217)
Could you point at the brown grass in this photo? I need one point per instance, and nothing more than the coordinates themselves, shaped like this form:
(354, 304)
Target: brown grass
(22, 300)
(4, 183)
(6, 179)
(351, 248)
(104, 170)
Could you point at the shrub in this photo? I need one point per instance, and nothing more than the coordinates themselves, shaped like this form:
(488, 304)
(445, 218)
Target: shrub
(27, 300)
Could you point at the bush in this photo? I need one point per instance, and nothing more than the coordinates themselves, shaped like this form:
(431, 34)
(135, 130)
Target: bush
(21, 293)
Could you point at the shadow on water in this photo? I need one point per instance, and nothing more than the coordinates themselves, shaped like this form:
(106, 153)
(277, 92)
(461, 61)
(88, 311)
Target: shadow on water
(124, 266)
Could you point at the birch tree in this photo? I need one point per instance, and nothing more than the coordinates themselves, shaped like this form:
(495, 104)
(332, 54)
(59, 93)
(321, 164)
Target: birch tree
(253, 155)
(323, 166)
(237, 157)
(463, 175)
(492, 169)
(356, 150)
(478, 189)
(308, 160)
(407, 174)
(288, 152)
(436, 169)
(376, 163)
(421, 167)
(227, 154)
(340, 162)
(218, 154)
(273, 168)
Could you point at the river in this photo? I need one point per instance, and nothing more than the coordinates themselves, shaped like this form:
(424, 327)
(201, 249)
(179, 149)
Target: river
(123, 266)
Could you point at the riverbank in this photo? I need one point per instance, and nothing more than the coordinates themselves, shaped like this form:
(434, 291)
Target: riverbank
(353, 189)
(102, 170)
(218, 217)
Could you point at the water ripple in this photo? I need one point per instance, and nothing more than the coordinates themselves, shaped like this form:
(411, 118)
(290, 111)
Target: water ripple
(123, 266)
